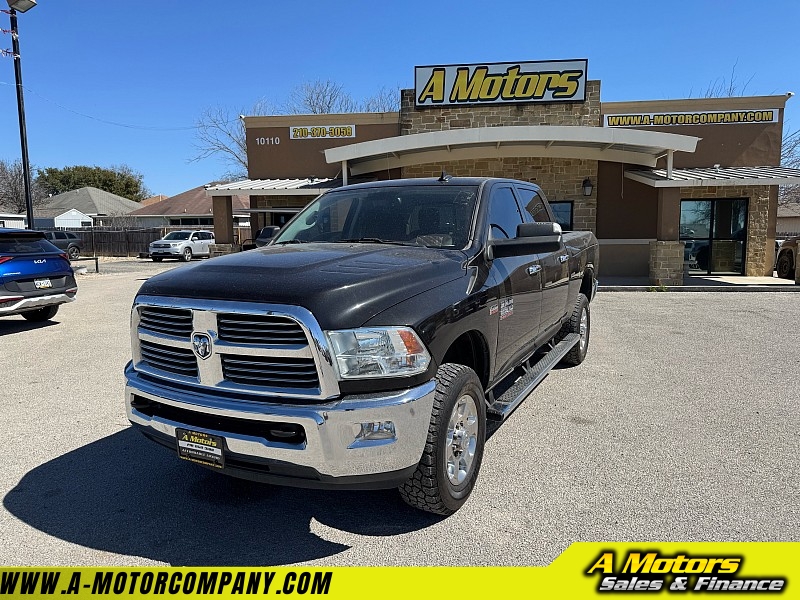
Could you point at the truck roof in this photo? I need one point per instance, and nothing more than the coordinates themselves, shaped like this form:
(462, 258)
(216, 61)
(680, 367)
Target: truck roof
(427, 181)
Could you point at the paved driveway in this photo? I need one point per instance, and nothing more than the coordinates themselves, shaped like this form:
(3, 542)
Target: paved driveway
(682, 424)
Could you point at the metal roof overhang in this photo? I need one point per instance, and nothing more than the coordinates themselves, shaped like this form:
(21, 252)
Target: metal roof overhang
(273, 187)
(630, 146)
(714, 177)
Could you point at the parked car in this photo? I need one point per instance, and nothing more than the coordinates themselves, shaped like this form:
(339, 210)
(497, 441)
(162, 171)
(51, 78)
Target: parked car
(787, 258)
(265, 235)
(71, 243)
(182, 245)
(35, 276)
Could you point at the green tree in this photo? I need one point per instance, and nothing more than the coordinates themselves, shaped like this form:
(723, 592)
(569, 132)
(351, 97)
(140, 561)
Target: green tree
(120, 180)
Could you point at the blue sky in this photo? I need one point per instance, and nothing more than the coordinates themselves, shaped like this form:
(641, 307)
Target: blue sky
(158, 65)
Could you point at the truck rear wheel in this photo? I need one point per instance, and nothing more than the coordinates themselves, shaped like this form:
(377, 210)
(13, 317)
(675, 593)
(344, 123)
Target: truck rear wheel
(579, 322)
(453, 452)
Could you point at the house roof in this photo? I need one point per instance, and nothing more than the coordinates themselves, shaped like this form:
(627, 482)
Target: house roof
(193, 202)
(92, 201)
(717, 177)
(153, 200)
(789, 210)
(48, 212)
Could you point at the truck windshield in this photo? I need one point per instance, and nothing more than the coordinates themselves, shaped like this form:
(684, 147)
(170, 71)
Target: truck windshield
(436, 216)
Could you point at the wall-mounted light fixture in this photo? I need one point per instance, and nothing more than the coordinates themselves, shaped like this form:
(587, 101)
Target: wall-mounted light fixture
(587, 187)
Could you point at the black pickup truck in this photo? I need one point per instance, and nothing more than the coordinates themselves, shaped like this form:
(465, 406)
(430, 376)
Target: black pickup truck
(367, 345)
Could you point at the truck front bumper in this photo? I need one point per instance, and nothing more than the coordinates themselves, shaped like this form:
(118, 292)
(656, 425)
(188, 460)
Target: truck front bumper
(369, 441)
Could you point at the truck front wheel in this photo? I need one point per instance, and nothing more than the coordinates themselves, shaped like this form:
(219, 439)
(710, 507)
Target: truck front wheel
(453, 452)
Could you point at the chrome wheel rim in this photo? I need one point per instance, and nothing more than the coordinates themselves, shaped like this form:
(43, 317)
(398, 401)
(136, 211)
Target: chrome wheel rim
(584, 328)
(462, 439)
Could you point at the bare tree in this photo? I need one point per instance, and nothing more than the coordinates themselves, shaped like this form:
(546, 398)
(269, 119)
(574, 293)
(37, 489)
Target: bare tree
(320, 97)
(790, 145)
(386, 99)
(220, 132)
(12, 188)
(726, 88)
(790, 157)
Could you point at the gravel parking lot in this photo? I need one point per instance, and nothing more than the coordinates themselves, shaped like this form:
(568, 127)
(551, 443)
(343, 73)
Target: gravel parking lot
(682, 424)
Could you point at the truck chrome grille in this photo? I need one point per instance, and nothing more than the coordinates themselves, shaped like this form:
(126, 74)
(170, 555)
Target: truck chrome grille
(265, 352)
(260, 329)
(170, 321)
(270, 371)
(169, 358)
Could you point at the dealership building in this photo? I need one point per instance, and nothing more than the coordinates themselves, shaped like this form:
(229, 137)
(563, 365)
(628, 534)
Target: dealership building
(667, 186)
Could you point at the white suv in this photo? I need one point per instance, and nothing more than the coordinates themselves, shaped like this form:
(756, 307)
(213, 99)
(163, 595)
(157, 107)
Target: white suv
(182, 245)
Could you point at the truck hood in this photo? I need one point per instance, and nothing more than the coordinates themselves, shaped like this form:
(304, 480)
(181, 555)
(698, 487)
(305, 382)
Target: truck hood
(343, 285)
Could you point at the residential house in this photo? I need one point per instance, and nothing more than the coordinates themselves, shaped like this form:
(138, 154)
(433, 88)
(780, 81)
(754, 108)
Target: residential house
(191, 208)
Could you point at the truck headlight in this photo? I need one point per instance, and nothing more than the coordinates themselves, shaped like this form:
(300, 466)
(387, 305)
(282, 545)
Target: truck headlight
(371, 352)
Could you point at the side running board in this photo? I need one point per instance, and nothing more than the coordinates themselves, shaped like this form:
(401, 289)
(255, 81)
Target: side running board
(511, 398)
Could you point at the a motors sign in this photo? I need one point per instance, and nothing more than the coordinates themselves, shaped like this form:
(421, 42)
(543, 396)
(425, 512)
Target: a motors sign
(501, 83)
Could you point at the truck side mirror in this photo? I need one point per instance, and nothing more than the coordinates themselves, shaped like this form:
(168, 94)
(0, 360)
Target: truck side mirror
(532, 238)
(538, 230)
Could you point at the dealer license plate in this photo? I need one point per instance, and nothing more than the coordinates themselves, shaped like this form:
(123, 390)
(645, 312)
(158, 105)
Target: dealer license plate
(41, 284)
(200, 447)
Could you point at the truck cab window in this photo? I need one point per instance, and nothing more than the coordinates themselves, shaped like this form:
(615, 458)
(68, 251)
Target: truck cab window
(504, 214)
(534, 205)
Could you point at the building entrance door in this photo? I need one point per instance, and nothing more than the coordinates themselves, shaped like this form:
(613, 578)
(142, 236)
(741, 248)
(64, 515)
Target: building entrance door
(714, 233)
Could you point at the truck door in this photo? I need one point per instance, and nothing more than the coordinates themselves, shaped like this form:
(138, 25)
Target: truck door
(517, 306)
(555, 265)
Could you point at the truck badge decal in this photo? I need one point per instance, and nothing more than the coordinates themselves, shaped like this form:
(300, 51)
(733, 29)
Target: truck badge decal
(201, 343)
(506, 308)
(493, 309)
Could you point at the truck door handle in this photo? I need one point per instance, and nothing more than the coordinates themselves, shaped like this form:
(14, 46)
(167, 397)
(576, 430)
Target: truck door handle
(534, 269)
(563, 258)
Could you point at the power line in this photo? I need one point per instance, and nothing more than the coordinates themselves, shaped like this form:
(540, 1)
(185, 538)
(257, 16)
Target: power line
(106, 121)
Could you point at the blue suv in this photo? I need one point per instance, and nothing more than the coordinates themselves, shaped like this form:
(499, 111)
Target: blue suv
(35, 276)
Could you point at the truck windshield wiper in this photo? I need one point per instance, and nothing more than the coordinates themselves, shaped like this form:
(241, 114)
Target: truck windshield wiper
(293, 241)
(372, 240)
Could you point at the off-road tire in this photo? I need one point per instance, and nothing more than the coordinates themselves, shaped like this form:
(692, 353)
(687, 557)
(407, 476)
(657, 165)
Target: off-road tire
(575, 356)
(187, 255)
(430, 488)
(41, 314)
(784, 268)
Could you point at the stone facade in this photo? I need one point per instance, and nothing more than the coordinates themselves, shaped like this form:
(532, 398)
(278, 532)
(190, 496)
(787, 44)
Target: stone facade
(559, 178)
(429, 119)
(760, 247)
(666, 263)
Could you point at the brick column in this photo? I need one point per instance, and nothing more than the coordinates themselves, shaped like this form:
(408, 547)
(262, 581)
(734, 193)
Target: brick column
(666, 263)
(222, 207)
